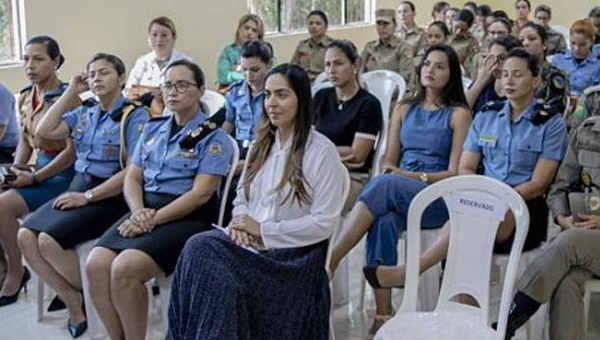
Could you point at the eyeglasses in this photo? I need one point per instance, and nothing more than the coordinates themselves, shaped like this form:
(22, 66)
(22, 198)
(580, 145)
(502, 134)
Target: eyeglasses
(180, 86)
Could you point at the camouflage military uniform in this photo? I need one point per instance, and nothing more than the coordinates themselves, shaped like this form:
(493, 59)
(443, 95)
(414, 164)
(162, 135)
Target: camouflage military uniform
(587, 106)
(478, 32)
(414, 37)
(311, 56)
(395, 56)
(466, 46)
(554, 89)
(556, 42)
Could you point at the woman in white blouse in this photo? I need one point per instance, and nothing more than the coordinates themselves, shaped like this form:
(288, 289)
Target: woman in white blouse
(265, 277)
(148, 72)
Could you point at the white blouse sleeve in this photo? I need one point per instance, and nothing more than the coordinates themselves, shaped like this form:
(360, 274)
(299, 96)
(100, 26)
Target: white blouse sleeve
(240, 203)
(325, 174)
(135, 76)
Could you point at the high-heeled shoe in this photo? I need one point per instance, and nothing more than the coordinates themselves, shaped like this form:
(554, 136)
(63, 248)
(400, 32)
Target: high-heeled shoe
(77, 329)
(6, 300)
(56, 304)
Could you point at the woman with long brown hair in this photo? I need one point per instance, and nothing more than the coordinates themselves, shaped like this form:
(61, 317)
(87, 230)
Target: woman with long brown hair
(243, 283)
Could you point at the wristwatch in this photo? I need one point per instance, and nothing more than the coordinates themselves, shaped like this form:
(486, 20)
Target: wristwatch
(89, 196)
(423, 177)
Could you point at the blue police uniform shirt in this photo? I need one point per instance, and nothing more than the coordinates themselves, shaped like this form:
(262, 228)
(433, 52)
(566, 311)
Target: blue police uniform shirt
(242, 110)
(167, 169)
(581, 75)
(97, 137)
(8, 119)
(510, 150)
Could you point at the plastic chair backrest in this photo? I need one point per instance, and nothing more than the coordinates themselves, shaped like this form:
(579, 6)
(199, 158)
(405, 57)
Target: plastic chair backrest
(380, 148)
(476, 205)
(345, 192)
(382, 84)
(466, 83)
(319, 86)
(564, 31)
(235, 158)
(322, 77)
(213, 100)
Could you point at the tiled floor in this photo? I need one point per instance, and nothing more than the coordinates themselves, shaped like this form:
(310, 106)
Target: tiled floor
(18, 321)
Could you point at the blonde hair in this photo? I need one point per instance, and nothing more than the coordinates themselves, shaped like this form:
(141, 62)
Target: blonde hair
(583, 26)
(244, 19)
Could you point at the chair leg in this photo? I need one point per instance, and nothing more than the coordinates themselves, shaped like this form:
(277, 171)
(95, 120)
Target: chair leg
(40, 299)
(586, 308)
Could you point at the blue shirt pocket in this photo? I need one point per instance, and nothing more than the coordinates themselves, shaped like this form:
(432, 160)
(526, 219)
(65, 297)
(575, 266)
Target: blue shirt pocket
(527, 154)
(108, 147)
(186, 166)
(489, 147)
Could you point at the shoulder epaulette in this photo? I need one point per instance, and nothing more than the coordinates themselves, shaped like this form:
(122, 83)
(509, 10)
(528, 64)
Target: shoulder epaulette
(90, 102)
(51, 96)
(26, 88)
(234, 84)
(544, 110)
(591, 90)
(199, 133)
(126, 108)
(493, 105)
(158, 119)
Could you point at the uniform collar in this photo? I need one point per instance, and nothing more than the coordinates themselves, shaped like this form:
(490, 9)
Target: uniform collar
(409, 30)
(392, 43)
(592, 55)
(198, 118)
(116, 106)
(324, 42)
(526, 114)
(244, 90)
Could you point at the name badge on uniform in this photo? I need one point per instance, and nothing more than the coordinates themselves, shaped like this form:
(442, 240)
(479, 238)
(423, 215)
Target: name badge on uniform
(187, 153)
(488, 142)
(110, 151)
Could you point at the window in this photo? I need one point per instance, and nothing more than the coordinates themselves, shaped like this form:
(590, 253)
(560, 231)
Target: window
(290, 15)
(10, 31)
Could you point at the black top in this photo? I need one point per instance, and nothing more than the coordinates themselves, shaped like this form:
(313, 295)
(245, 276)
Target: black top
(340, 122)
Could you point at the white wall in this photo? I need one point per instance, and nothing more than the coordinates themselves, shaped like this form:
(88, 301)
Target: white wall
(84, 27)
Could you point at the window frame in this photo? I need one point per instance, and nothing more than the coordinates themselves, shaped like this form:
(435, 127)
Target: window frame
(18, 26)
(369, 17)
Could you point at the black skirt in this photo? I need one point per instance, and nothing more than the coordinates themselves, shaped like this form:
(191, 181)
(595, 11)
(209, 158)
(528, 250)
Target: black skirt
(166, 241)
(72, 227)
(538, 227)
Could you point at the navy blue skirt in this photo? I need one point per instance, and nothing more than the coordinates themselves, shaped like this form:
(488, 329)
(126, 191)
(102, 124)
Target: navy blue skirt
(165, 242)
(72, 227)
(222, 291)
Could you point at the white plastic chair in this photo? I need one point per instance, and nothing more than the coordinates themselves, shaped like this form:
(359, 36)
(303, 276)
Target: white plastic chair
(164, 283)
(319, 86)
(382, 84)
(466, 83)
(333, 236)
(322, 77)
(96, 328)
(213, 100)
(591, 286)
(477, 205)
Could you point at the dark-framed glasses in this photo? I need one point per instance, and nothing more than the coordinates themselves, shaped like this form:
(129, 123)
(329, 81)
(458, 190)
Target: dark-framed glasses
(180, 86)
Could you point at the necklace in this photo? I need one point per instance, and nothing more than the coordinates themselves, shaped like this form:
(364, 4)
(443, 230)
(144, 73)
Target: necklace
(341, 104)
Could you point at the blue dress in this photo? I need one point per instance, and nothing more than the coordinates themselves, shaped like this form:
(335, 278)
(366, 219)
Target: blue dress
(426, 140)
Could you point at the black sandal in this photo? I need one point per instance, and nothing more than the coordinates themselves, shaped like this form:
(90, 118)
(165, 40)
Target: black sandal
(370, 273)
